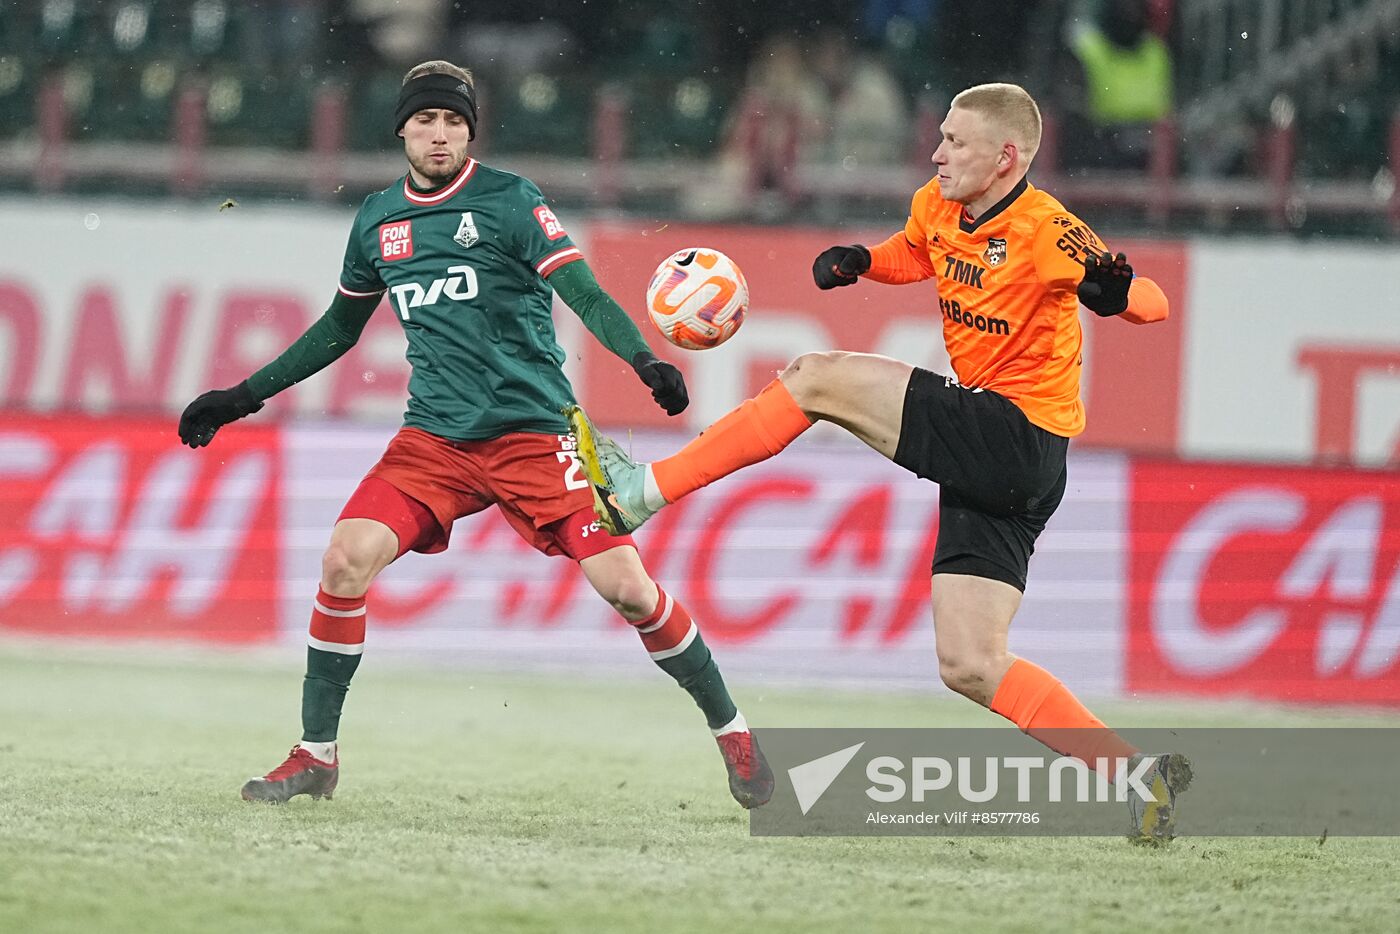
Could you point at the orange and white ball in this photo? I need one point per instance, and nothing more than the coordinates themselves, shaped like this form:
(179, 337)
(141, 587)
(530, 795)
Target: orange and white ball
(697, 298)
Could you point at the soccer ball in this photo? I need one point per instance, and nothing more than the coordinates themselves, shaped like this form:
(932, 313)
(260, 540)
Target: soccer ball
(697, 298)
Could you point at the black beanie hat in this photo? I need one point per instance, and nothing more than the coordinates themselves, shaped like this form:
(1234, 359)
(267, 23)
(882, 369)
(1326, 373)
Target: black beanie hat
(436, 90)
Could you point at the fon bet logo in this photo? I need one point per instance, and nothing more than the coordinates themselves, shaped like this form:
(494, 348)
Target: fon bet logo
(549, 223)
(396, 241)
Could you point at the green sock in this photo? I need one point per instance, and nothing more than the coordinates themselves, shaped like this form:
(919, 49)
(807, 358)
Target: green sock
(696, 671)
(328, 677)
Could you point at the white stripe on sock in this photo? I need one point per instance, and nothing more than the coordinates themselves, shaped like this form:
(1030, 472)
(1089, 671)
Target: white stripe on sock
(651, 493)
(665, 615)
(737, 725)
(341, 614)
(678, 648)
(326, 752)
(337, 647)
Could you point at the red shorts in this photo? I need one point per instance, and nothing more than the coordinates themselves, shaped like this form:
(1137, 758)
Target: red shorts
(535, 480)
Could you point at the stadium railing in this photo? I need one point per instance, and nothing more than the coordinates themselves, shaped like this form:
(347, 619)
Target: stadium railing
(313, 155)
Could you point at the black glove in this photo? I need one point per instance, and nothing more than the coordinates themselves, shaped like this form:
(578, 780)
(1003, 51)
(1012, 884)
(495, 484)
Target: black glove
(840, 265)
(213, 410)
(665, 381)
(1104, 290)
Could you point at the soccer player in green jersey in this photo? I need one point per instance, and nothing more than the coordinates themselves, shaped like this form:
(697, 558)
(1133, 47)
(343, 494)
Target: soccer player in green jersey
(469, 256)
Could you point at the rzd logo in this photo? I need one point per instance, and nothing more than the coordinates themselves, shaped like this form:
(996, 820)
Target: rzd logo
(459, 285)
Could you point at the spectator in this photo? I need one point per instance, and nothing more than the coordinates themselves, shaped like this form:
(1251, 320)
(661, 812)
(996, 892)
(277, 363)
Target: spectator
(1120, 86)
(880, 15)
(776, 126)
(1344, 120)
(867, 119)
(277, 34)
(403, 30)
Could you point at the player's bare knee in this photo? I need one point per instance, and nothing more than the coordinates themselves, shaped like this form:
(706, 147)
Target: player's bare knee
(969, 675)
(633, 596)
(345, 569)
(809, 379)
(637, 600)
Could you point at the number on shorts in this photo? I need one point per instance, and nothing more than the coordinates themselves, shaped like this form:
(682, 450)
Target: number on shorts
(573, 476)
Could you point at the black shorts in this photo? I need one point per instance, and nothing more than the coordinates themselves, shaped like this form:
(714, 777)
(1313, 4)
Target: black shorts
(1000, 478)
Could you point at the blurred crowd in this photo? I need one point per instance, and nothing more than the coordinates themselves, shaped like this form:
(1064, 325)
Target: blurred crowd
(758, 90)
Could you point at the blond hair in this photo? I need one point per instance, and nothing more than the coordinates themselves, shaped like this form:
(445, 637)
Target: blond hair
(1010, 109)
(439, 67)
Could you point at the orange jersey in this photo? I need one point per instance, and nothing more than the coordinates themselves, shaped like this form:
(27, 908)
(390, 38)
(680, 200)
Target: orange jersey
(1007, 289)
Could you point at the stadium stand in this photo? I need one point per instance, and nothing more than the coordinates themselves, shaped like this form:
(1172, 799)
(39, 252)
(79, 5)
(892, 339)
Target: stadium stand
(1288, 113)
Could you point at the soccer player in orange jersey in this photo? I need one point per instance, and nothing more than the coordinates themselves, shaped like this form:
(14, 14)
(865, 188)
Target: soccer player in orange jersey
(1012, 266)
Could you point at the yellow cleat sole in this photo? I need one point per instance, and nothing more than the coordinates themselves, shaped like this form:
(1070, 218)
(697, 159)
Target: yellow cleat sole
(1158, 825)
(593, 469)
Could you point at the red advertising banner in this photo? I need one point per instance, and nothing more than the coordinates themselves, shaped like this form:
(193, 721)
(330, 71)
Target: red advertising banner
(110, 529)
(1264, 582)
(813, 565)
(157, 303)
(1134, 373)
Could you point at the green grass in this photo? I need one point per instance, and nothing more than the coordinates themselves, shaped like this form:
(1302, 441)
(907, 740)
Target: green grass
(490, 802)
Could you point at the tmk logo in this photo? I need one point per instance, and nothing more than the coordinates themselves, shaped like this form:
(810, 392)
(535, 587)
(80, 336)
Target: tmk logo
(968, 273)
(459, 285)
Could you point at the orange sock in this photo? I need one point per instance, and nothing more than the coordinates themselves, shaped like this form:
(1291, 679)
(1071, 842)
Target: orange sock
(1043, 708)
(753, 432)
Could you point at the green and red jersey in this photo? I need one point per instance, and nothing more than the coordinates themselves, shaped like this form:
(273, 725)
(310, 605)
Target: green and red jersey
(464, 269)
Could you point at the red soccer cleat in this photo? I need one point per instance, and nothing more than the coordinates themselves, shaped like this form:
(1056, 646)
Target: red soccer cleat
(301, 774)
(750, 778)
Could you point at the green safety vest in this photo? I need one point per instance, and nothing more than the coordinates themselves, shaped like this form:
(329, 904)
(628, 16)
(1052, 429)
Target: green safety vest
(1125, 85)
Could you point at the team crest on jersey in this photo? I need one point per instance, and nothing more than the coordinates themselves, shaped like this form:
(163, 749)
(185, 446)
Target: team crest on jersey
(996, 251)
(467, 233)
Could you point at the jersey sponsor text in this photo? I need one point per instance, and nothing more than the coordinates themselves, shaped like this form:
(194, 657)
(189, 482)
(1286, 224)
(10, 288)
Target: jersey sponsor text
(962, 271)
(549, 223)
(1078, 241)
(459, 284)
(954, 312)
(396, 241)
